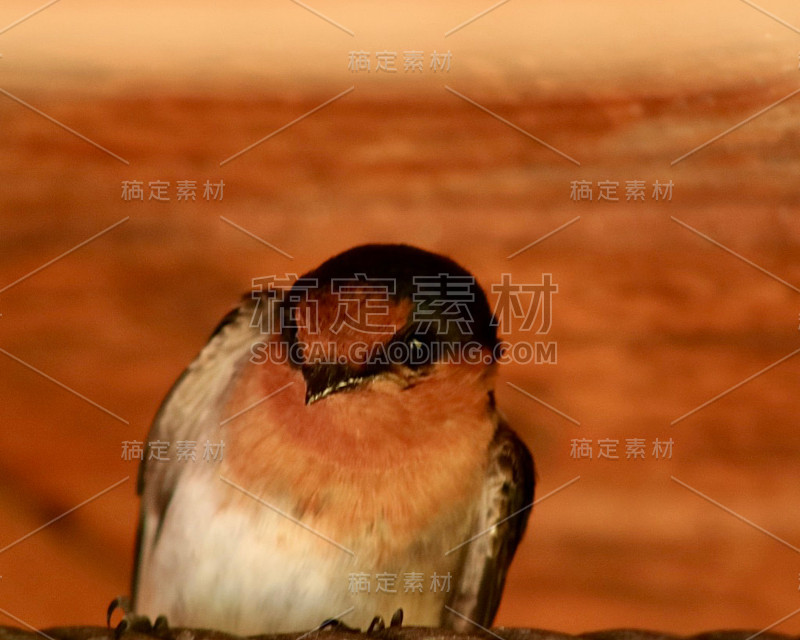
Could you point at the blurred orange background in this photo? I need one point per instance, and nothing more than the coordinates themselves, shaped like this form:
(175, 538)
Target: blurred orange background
(651, 320)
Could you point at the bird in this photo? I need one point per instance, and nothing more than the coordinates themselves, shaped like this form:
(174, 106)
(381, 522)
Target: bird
(364, 468)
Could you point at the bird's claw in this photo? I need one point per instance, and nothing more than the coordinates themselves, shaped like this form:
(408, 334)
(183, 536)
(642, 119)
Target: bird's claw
(160, 626)
(132, 621)
(337, 625)
(378, 624)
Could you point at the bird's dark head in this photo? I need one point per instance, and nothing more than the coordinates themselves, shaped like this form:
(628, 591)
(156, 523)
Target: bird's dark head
(385, 311)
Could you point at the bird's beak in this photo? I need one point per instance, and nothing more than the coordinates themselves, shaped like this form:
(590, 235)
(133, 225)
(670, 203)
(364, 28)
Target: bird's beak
(323, 380)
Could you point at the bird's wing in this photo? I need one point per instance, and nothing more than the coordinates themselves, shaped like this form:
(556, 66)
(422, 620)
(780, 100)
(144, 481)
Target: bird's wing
(499, 524)
(191, 412)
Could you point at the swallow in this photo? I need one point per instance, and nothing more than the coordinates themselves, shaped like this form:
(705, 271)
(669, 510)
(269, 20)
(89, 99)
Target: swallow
(366, 468)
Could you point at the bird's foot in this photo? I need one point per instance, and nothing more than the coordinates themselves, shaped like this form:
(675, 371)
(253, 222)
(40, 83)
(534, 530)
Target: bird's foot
(378, 624)
(335, 624)
(132, 621)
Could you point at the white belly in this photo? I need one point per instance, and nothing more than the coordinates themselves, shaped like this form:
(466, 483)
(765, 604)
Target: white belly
(255, 571)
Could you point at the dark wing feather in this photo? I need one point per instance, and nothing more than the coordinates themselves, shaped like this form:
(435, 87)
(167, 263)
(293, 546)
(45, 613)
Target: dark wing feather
(505, 502)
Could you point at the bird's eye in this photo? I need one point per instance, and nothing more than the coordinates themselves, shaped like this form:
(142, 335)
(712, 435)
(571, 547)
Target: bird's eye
(419, 352)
